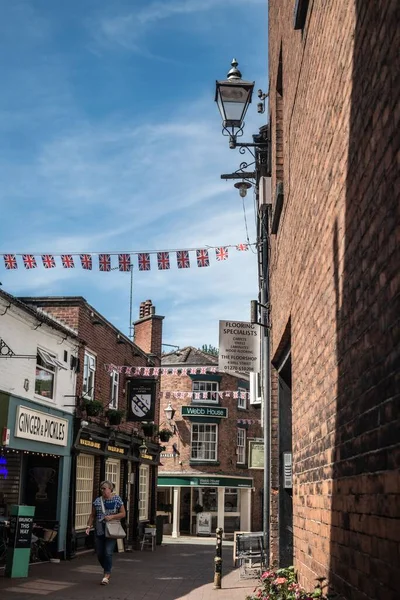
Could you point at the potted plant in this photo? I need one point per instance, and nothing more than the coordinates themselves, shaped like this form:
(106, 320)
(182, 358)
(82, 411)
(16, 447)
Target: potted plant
(115, 416)
(92, 407)
(149, 429)
(165, 435)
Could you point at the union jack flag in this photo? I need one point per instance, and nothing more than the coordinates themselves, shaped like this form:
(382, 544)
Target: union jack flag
(86, 261)
(29, 261)
(203, 371)
(104, 262)
(221, 253)
(124, 262)
(163, 260)
(202, 258)
(242, 247)
(183, 260)
(10, 261)
(48, 261)
(144, 261)
(67, 261)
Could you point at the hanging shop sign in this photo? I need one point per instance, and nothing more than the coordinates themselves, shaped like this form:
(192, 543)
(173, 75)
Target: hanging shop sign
(204, 411)
(141, 400)
(40, 427)
(256, 454)
(239, 347)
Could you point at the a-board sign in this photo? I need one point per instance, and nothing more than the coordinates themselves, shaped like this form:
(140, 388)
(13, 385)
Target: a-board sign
(20, 532)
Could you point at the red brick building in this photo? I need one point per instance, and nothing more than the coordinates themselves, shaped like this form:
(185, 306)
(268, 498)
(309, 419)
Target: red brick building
(334, 114)
(106, 445)
(205, 464)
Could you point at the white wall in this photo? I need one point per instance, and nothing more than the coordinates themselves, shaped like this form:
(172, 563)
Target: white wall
(17, 330)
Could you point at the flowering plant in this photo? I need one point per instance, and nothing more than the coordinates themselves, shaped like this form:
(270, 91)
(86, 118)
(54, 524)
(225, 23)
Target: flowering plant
(282, 585)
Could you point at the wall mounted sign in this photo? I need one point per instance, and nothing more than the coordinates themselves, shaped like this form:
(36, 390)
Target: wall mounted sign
(116, 449)
(141, 399)
(90, 443)
(147, 457)
(187, 480)
(239, 347)
(204, 411)
(256, 454)
(40, 427)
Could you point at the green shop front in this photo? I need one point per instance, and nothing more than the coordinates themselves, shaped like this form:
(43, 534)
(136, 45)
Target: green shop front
(201, 503)
(36, 463)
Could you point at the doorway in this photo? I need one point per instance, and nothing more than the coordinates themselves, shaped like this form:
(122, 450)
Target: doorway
(285, 461)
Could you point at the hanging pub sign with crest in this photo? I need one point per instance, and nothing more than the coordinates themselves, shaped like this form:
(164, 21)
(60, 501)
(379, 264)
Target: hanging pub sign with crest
(141, 400)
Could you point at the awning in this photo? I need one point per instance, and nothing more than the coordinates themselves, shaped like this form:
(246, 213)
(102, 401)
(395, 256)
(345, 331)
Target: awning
(50, 360)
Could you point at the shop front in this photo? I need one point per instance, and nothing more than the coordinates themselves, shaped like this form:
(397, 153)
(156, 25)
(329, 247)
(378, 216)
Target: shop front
(98, 454)
(198, 504)
(36, 463)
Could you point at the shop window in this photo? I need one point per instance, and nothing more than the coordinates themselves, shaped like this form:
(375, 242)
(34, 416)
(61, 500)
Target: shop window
(241, 445)
(114, 377)
(204, 442)
(113, 471)
(143, 493)
(45, 375)
(205, 391)
(232, 503)
(89, 371)
(207, 498)
(84, 489)
(242, 395)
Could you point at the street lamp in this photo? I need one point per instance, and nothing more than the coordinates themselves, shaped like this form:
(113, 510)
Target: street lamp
(143, 449)
(242, 186)
(233, 96)
(169, 415)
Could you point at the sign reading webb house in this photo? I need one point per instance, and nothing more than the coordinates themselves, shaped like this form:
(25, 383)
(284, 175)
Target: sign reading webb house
(239, 347)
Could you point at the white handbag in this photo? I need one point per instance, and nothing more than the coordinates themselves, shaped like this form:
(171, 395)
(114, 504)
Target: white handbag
(113, 529)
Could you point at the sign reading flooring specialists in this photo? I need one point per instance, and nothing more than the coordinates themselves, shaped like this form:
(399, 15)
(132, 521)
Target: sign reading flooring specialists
(40, 427)
(142, 399)
(204, 411)
(239, 347)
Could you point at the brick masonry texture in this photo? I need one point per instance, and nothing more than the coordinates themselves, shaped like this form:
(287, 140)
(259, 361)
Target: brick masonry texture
(335, 278)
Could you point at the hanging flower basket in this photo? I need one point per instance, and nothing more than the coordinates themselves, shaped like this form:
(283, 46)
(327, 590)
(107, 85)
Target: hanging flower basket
(165, 435)
(149, 429)
(115, 416)
(92, 407)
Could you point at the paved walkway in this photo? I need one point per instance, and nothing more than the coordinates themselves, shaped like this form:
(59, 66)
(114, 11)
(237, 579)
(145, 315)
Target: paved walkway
(182, 570)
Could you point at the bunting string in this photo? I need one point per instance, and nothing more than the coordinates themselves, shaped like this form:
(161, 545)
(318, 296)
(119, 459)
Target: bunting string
(220, 395)
(156, 371)
(121, 261)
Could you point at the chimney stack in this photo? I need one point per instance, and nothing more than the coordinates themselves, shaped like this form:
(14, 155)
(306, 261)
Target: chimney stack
(148, 329)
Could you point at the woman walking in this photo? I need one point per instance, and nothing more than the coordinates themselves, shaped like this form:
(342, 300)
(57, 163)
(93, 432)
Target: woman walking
(107, 507)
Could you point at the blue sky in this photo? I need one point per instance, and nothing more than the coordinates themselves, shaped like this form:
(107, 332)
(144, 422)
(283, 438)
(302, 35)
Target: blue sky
(110, 140)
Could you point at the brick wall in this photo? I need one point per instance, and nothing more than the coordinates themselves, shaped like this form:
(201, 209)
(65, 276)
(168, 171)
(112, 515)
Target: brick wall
(334, 274)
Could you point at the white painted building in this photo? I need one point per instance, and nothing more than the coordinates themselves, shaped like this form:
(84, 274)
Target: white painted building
(38, 365)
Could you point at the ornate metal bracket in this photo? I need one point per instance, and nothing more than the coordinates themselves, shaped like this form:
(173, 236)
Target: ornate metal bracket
(5, 350)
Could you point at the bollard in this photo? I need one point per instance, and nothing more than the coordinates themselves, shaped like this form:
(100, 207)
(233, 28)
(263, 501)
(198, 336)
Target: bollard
(218, 559)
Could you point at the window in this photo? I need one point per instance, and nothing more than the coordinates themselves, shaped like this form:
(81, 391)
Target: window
(205, 391)
(114, 376)
(45, 375)
(84, 489)
(143, 492)
(241, 445)
(113, 468)
(204, 442)
(89, 370)
(242, 395)
(232, 500)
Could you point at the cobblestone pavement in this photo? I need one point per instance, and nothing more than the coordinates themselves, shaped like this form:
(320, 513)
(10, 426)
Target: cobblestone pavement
(182, 570)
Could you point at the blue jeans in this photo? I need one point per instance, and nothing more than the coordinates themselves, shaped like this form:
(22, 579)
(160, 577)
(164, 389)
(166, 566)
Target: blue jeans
(104, 550)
